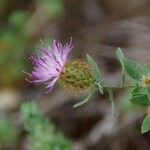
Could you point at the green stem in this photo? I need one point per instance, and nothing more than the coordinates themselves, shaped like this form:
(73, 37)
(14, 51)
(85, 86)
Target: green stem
(111, 98)
(119, 87)
(123, 79)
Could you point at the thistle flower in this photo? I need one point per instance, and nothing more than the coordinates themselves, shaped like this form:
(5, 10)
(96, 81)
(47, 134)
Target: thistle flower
(54, 65)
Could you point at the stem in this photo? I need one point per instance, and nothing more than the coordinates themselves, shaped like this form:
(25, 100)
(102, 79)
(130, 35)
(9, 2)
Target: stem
(110, 92)
(123, 79)
(119, 87)
(111, 98)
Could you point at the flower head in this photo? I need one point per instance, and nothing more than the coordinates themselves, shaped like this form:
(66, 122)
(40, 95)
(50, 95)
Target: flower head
(54, 65)
(49, 66)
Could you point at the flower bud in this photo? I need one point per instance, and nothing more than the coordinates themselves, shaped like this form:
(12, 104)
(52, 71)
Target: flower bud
(145, 81)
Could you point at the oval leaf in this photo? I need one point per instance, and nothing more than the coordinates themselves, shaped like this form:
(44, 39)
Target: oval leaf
(94, 67)
(140, 99)
(146, 124)
(135, 70)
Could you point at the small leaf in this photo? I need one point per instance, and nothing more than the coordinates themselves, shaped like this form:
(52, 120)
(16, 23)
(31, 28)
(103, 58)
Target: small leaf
(135, 70)
(148, 92)
(120, 57)
(100, 85)
(146, 124)
(85, 100)
(94, 67)
(140, 99)
(137, 90)
(119, 54)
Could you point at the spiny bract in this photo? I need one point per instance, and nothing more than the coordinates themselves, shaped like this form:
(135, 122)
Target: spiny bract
(77, 76)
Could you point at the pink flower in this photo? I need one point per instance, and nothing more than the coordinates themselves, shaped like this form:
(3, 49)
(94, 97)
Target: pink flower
(49, 66)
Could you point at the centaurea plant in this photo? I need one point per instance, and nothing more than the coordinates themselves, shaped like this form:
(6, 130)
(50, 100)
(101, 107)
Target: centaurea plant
(55, 65)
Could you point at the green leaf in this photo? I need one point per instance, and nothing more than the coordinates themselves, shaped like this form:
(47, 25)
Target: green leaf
(7, 129)
(120, 57)
(135, 70)
(100, 85)
(97, 74)
(146, 124)
(139, 96)
(140, 99)
(94, 67)
(136, 90)
(40, 130)
(85, 100)
(53, 8)
(18, 18)
(148, 92)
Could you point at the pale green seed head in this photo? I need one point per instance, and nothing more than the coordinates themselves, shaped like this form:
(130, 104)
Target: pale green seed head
(77, 76)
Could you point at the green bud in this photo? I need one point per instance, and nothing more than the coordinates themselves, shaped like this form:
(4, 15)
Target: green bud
(145, 81)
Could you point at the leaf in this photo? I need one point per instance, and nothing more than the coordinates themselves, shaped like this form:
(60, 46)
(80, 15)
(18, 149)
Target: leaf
(120, 57)
(53, 8)
(136, 90)
(135, 70)
(139, 96)
(94, 67)
(30, 115)
(85, 100)
(18, 18)
(146, 124)
(97, 74)
(100, 85)
(148, 92)
(41, 131)
(140, 99)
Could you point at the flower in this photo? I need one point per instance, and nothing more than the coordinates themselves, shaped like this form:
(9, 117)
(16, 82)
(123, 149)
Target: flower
(54, 65)
(49, 66)
(145, 81)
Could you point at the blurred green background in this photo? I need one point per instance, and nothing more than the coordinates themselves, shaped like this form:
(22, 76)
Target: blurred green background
(97, 27)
